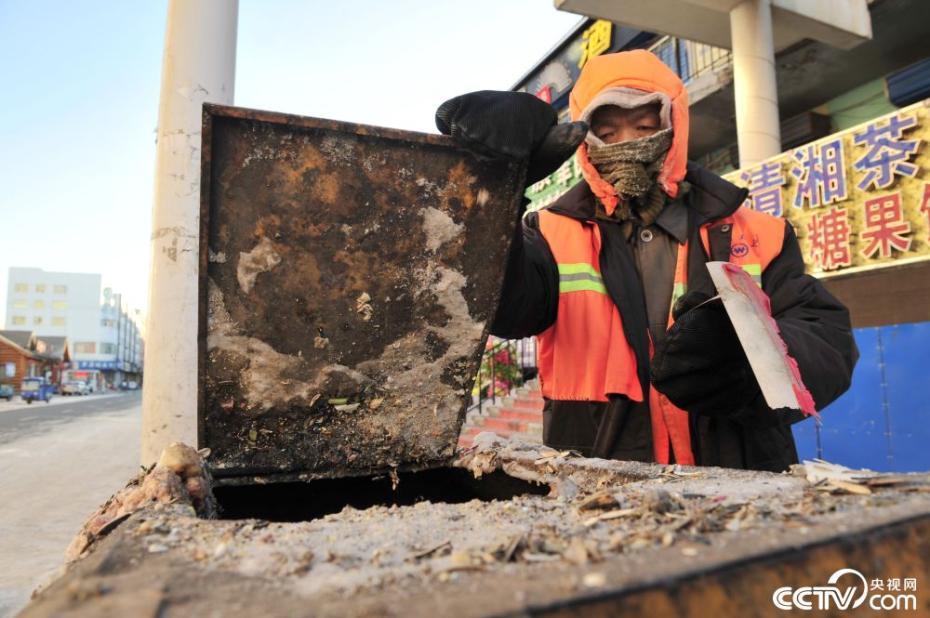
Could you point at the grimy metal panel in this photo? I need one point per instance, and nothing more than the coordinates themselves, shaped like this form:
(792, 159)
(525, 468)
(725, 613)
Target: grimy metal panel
(347, 277)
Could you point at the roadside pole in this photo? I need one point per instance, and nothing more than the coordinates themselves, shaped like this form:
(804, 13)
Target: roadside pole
(755, 92)
(198, 65)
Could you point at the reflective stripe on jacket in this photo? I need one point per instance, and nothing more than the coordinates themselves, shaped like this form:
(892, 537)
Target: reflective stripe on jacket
(585, 356)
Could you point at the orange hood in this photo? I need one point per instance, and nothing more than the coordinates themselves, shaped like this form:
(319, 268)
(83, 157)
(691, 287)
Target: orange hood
(644, 71)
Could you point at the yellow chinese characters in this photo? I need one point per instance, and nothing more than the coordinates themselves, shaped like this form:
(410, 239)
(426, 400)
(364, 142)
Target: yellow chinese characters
(595, 40)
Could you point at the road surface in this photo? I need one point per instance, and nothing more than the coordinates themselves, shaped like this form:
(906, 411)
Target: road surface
(58, 462)
(18, 418)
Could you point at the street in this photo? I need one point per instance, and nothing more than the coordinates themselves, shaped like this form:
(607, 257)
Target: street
(58, 463)
(17, 416)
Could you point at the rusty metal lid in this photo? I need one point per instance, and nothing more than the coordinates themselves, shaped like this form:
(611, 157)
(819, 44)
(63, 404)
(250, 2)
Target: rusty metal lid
(348, 274)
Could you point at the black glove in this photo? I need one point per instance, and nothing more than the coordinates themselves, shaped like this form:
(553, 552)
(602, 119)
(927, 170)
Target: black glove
(511, 125)
(700, 365)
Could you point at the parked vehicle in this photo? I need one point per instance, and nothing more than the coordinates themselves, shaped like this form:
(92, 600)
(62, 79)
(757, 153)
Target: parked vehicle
(36, 389)
(76, 387)
(6, 391)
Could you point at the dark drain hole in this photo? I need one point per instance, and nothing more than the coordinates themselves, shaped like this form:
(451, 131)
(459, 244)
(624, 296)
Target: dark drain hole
(301, 501)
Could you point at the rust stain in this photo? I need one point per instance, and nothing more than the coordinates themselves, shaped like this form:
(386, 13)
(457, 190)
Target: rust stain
(328, 189)
(460, 183)
(267, 226)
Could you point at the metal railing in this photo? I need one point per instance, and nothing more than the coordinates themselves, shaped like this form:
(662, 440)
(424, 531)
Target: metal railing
(520, 367)
(690, 59)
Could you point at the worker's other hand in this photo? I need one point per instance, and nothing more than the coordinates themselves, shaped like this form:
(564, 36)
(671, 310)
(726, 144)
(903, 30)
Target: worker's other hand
(511, 125)
(700, 365)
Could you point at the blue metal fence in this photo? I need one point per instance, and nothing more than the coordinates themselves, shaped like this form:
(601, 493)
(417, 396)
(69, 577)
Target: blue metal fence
(883, 421)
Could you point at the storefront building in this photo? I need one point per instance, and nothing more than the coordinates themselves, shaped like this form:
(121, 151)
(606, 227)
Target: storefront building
(24, 355)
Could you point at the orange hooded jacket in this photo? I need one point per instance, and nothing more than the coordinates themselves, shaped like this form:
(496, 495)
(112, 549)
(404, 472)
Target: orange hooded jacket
(608, 363)
(641, 70)
(584, 356)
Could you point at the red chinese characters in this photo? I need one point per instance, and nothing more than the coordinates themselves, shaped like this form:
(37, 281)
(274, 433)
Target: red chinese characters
(885, 226)
(829, 239)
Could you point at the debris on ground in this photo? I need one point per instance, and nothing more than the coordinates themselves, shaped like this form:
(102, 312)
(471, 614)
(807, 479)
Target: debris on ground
(603, 524)
(832, 477)
(179, 477)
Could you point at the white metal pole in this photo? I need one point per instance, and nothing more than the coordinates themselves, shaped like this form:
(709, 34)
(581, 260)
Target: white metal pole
(198, 65)
(757, 127)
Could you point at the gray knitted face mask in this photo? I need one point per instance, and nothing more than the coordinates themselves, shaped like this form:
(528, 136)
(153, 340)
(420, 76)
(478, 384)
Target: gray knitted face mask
(632, 166)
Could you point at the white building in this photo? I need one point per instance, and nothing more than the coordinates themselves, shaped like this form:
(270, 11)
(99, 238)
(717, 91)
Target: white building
(120, 336)
(105, 335)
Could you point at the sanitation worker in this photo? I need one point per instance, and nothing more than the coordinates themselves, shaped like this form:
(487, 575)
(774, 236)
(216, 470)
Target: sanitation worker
(611, 278)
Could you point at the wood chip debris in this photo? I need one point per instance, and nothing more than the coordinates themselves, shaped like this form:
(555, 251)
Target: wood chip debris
(599, 500)
(539, 557)
(431, 550)
(553, 455)
(458, 561)
(853, 488)
(577, 552)
(508, 551)
(676, 471)
(615, 514)
(831, 477)
(591, 516)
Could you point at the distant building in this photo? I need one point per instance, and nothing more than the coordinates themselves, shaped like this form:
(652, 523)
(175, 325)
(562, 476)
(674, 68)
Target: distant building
(24, 355)
(104, 334)
(120, 338)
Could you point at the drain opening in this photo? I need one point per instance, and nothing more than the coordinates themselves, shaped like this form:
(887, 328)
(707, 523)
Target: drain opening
(304, 501)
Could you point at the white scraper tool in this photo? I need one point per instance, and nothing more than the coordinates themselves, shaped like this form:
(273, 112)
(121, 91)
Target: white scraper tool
(750, 312)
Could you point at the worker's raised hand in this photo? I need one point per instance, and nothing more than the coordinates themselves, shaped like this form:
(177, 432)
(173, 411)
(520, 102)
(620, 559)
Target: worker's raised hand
(511, 125)
(700, 365)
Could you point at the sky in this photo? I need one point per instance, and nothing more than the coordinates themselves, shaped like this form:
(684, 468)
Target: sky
(79, 87)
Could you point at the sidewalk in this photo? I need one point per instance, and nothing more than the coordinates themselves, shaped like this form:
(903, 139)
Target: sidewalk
(18, 404)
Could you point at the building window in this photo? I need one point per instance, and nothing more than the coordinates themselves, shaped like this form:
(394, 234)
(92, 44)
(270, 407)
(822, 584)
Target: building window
(107, 348)
(21, 287)
(60, 289)
(37, 319)
(59, 305)
(18, 320)
(58, 321)
(39, 304)
(20, 303)
(40, 287)
(85, 347)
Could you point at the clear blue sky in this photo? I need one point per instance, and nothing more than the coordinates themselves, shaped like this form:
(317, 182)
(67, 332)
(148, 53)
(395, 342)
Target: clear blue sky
(79, 84)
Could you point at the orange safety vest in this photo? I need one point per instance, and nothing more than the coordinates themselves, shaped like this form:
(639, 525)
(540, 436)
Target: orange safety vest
(584, 355)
